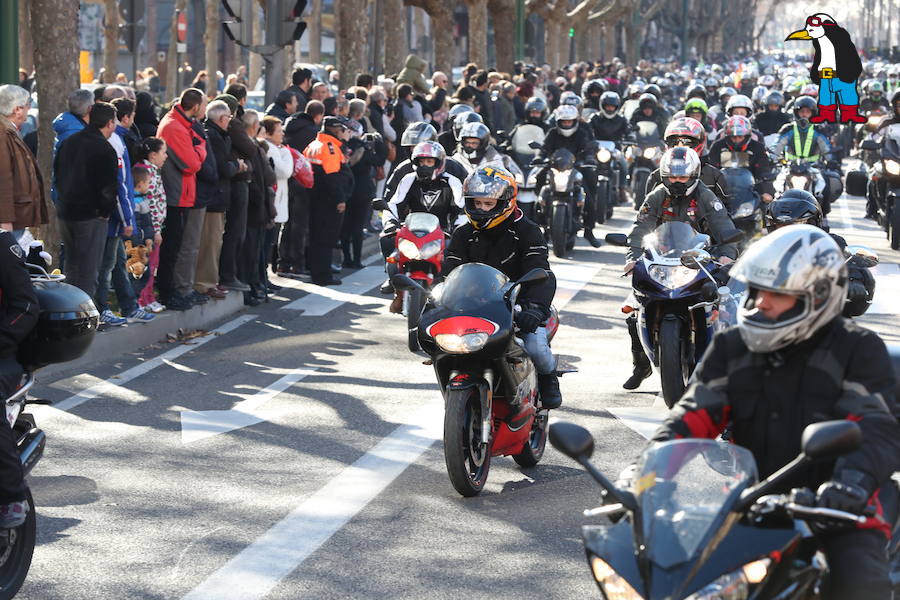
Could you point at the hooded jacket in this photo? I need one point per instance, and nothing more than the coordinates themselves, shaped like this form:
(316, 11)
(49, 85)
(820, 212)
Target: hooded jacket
(186, 151)
(299, 131)
(65, 124)
(413, 73)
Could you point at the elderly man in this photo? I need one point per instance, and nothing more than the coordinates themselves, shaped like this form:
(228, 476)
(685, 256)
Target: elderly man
(22, 202)
(319, 91)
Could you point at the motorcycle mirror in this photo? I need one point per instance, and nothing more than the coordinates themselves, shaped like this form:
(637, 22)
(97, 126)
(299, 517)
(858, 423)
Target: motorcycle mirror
(733, 236)
(531, 276)
(535, 145)
(379, 204)
(693, 259)
(869, 145)
(616, 239)
(574, 441)
(406, 283)
(863, 256)
(830, 439)
(702, 241)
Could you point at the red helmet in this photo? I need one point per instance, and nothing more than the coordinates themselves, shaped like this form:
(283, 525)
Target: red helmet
(737, 125)
(683, 128)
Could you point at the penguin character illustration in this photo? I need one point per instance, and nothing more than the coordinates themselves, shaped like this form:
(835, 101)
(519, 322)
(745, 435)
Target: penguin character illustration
(836, 68)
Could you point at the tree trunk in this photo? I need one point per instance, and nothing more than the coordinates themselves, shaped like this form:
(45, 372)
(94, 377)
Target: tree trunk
(441, 31)
(353, 25)
(57, 75)
(211, 45)
(254, 68)
(609, 41)
(26, 48)
(503, 13)
(111, 40)
(477, 46)
(395, 36)
(315, 31)
(172, 89)
(152, 48)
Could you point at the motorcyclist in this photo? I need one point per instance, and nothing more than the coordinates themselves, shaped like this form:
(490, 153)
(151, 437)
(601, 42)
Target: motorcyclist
(800, 141)
(688, 132)
(591, 92)
(499, 235)
(738, 148)
(895, 105)
(536, 113)
(791, 361)
(696, 109)
(609, 124)
(648, 110)
(451, 142)
(800, 207)
(874, 99)
(719, 112)
(681, 197)
(575, 136)
(475, 150)
(773, 118)
(447, 137)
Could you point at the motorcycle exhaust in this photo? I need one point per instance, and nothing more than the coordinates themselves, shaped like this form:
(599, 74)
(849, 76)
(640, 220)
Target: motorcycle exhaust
(31, 448)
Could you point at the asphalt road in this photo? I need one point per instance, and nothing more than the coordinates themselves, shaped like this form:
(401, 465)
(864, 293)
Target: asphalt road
(328, 480)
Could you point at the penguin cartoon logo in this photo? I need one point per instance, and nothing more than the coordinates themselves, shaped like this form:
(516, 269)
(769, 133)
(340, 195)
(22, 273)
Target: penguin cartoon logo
(836, 68)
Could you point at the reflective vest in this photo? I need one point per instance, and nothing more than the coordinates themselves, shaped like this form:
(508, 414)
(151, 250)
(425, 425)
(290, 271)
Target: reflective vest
(802, 154)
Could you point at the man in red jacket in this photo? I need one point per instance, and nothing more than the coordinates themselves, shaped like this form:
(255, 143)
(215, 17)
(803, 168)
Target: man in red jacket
(186, 153)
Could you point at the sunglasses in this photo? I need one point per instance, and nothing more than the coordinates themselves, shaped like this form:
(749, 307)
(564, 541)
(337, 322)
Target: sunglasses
(817, 22)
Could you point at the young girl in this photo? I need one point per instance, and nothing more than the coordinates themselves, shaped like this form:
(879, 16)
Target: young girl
(152, 152)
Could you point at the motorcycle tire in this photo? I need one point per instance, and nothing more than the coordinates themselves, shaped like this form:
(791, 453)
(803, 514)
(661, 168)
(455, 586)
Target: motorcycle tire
(533, 451)
(559, 230)
(894, 234)
(602, 202)
(415, 305)
(468, 460)
(15, 556)
(639, 187)
(672, 371)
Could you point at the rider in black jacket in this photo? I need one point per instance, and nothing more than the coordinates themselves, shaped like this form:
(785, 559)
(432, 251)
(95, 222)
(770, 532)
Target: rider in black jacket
(499, 235)
(791, 361)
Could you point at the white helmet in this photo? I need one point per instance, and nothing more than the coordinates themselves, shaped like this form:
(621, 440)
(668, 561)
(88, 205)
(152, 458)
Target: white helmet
(800, 260)
(566, 112)
(680, 161)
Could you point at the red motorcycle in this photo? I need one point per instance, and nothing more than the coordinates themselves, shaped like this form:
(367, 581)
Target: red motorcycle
(419, 253)
(492, 407)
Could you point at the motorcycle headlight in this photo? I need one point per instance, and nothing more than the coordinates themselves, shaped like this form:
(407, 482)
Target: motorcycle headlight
(408, 249)
(734, 585)
(744, 210)
(650, 153)
(603, 155)
(892, 167)
(461, 344)
(561, 180)
(614, 585)
(798, 182)
(430, 249)
(671, 276)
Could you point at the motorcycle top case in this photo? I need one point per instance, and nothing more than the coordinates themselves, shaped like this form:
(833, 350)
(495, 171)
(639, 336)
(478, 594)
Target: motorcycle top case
(65, 329)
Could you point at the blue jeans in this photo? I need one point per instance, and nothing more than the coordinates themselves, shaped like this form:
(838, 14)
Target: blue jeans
(834, 91)
(538, 348)
(112, 267)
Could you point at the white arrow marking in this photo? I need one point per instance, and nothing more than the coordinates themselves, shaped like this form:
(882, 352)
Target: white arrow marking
(201, 424)
(644, 420)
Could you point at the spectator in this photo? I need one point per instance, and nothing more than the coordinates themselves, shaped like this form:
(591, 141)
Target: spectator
(153, 156)
(22, 202)
(70, 122)
(283, 164)
(320, 91)
(186, 152)
(284, 106)
(301, 128)
(200, 81)
(503, 109)
(111, 92)
(367, 151)
(125, 108)
(145, 115)
(407, 110)
(244, 150)
(301, 81)
(377, 110)
(365, 80)
(260, 213)
(144, 232)
(482, 96)
(218, 116)
(413, 73)
(87, 181)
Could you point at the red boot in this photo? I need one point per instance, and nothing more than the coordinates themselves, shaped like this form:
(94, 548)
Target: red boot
(827, 114)
(848, 114)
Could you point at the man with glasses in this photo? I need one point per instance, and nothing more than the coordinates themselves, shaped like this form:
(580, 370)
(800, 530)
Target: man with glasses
(22, 202)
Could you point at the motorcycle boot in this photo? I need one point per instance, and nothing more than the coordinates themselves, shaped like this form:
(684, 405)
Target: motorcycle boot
(548, 388)
(642, 367)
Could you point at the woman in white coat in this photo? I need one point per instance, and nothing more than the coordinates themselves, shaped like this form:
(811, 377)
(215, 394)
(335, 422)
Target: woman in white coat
(283, 164)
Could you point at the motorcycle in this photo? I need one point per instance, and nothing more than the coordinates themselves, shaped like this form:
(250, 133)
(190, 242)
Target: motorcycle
(644, 154)
(698, 526)
(66, 326)
(561, 201)
(801, 175)
(676, 303)
(489, 382)
(520, 146)
(607, 178)
(884, 183)
(744, 203)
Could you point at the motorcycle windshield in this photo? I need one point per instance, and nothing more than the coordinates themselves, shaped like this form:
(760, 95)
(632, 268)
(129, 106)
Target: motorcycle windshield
(740, 184)
(471, 286)
(524, 135)
(892, 142)
(685, 489)
(647, 133)
(421, 223)
(671, 239)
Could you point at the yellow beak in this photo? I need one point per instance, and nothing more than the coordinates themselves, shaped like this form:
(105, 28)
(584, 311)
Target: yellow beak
(799, 35)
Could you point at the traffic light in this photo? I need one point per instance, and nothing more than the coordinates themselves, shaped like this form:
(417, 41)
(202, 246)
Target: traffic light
(130, 32)
(132, 11)
(289, 14)
(571, 32)
(239, 24)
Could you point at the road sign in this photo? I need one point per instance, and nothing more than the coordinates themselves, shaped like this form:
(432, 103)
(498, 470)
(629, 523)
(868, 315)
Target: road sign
(182, 27)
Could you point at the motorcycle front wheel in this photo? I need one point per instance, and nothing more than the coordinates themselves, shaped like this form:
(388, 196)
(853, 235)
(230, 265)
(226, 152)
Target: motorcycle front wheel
(416, 303)
(559, 230)
(672, 368)
(638, 188)
(468, 459)
(603, 201)
(16, 551)
(895, 225)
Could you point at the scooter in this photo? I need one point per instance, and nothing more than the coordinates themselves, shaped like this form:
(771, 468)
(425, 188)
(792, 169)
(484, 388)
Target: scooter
(698, 526)
(492, 407)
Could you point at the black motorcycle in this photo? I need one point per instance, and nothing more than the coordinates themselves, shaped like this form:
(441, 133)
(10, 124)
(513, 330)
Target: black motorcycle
(644, 154)
(883, 183)
(698, 526)
(561, 200)
(607, 178)
(744, 203)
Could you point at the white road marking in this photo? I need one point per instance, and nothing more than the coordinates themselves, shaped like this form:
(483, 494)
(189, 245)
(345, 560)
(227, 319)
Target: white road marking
(887, 289)
(256, 570)
(111, 386)
(201, 424)
(570, 279)
(644, 420)
(321, 300)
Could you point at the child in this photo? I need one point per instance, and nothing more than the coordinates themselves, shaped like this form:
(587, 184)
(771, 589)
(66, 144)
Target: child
(153, 154)
(144, 233)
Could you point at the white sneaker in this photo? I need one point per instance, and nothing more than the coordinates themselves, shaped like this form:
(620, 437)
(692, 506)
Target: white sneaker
(155, 307)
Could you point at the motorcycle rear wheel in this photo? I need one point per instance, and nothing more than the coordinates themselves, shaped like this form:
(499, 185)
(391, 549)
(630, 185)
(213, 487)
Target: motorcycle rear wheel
(15, 556)
(672, 370)
(638, 188)
(559, 230)
(468, 459)
(895, 225)
(416, 303)
(603, 201)
(533, 451)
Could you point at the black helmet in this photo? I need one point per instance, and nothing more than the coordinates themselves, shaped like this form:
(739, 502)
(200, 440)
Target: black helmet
(462, 119)
(478, 131)
(647, 100)
(592, 87)
(653, 89)
(695, 90)
(774, 97)
(535, 104)
(418, 132)
(489, 182)
(805, 102)
(794, 206)
(610, 99)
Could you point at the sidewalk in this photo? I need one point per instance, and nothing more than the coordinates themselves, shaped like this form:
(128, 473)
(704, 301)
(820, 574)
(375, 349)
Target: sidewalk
(131, 338)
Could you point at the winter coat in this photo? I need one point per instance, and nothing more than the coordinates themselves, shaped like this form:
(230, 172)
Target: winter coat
(219, 144)
(86, 169)
(413, 73)
(299, 131)
(283, 164)
(186, 151)
(22, 201)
